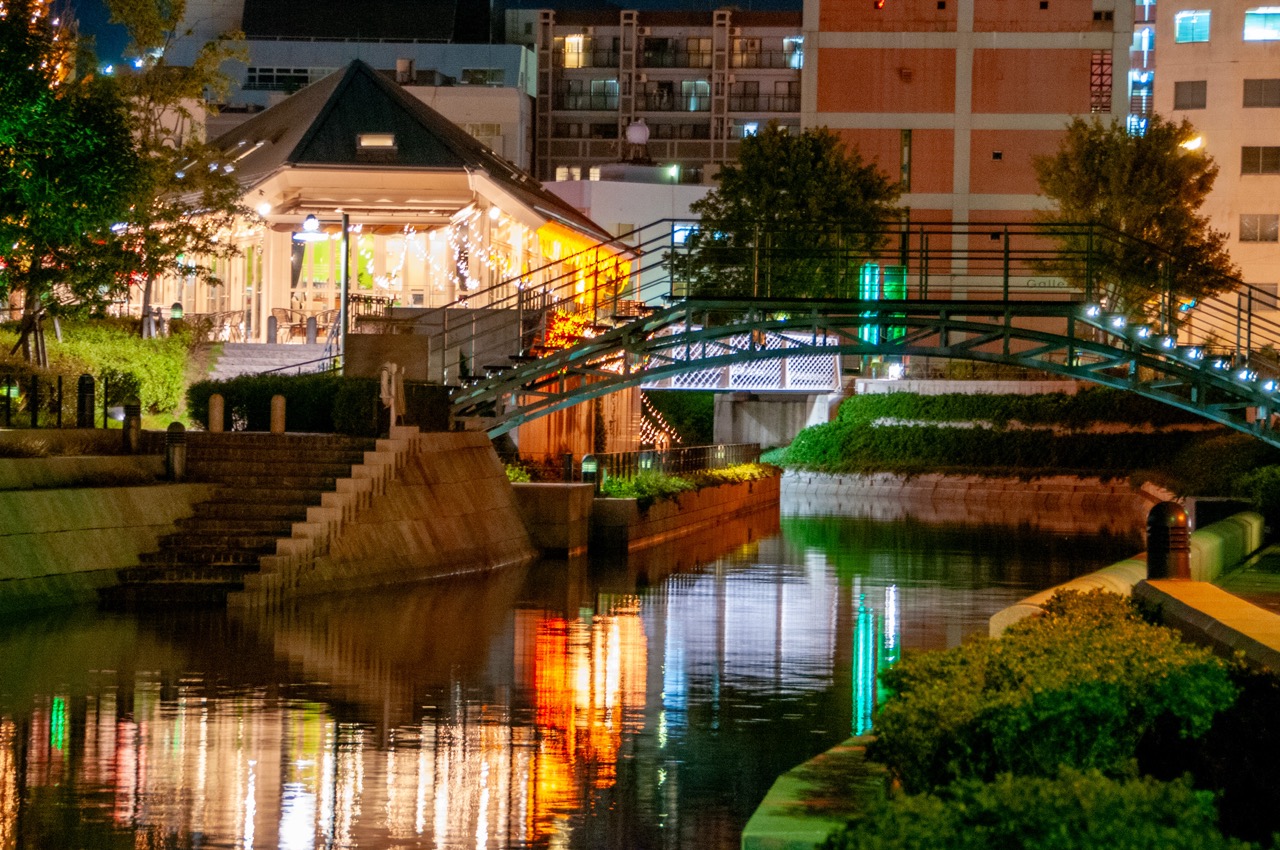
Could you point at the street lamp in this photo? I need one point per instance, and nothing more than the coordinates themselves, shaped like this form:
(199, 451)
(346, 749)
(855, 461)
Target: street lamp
(311, 233)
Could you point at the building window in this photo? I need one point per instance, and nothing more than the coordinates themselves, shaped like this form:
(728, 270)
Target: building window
(793, 48)
(1261, 93)
(283, 79)
(1100, 81)
(575, 51)
(905, 171)
(1190, 94)
(482, 76)
(1264, 295)
(1260, 160)
(1259, 228)
(696, 95)
(1262, 23)
(750, 128)
(1192, 25)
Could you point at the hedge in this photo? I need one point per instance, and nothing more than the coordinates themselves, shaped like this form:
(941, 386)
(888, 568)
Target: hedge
(1079, 687)
(317, 403)
(1074, 810)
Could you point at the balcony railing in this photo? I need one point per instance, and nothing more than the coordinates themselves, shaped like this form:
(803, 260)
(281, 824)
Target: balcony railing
(675, 59)
(764, 103)
(662, 102)
(601, 102)
(766, 59)
(587, 59)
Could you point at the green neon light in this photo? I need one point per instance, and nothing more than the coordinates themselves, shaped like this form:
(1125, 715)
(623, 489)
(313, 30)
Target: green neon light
(864, 667)
(58, 724)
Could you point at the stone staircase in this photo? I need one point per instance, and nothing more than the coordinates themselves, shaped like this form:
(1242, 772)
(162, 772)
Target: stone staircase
(251, 358)
(269, 482)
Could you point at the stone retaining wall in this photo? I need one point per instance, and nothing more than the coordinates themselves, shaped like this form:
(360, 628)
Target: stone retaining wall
(1058, 503)
(419, 506)
(39, 473)
(618, 525)
(57, 547)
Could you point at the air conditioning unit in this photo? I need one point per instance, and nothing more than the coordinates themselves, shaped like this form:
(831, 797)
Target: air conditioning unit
(735, 30)
(589, 31)
(731, 79)
(642, 78)
(644, 30)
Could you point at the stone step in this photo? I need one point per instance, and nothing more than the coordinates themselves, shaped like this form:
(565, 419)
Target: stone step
(216, 470)
(213, 454)
(267, 510)
(268, 496)
(230, 558)
(275, 481)
(231, 542)
(241, 525)
(155, 593)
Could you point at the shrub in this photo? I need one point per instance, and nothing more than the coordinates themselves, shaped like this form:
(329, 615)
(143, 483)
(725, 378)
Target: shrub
(1072, 811)
(152, 370)
(645, 487)
(1080, 686)
(517, 474)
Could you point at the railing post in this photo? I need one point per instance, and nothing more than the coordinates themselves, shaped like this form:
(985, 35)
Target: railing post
(1088, 266)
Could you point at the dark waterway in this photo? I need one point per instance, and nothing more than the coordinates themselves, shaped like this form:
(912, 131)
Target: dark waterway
(645, 704)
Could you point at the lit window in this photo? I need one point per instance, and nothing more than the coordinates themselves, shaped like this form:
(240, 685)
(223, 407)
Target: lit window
(793, 47)
(750, 129)
(1259, 228)
(575, 51)
(376, 140)
(594, 173)
(1260, 160)
(1192, 25)
(1262, 24)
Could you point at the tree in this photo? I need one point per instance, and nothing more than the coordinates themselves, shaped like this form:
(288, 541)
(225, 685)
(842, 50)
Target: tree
(1145, 192)
(68, 169)
(795, 215)
(188, 198)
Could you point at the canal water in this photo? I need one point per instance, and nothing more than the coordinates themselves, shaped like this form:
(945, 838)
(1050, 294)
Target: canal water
(645, 704)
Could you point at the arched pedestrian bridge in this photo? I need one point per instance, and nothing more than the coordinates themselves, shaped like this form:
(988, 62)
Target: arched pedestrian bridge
(994, 293)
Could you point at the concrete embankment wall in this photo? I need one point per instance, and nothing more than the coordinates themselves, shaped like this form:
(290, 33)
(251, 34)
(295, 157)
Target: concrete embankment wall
(619, 525)
(1057, 503)
(420, 506)
(58, 546)
(1214, 549)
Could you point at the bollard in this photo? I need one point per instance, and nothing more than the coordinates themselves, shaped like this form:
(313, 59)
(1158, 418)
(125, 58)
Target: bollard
(273, 327)
(567, 469)
(590, 470)
(84, 402)
(1168, 542)
(132, 426)
(217, 414)
(175, 452)
(277, 414)
(311, 330)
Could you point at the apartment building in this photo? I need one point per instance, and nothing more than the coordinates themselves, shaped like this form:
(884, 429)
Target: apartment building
(699, 81)
(486, 88)
(1220, 69)
(955, 97)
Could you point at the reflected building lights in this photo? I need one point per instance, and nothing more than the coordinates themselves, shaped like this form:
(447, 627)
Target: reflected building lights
(8, 785)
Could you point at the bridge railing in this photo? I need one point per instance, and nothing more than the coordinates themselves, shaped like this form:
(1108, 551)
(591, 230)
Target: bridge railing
(586, 292)
(679, 461)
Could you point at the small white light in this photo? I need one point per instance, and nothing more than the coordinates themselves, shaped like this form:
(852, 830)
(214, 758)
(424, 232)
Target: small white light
(264, 208)
(1167, 342)
(1093, 311)
(1269, 386)
(1118, 321)
(494, 212)
(1143, 332)
(311, 224)
(1221, 365)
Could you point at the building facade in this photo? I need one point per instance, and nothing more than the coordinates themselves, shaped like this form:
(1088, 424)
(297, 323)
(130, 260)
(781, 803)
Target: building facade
(1220, 70)
(955, 97)
(699, 81)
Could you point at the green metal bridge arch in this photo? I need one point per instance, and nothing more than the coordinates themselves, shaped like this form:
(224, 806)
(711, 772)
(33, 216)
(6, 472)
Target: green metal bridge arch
(1012, 293)
(1064, 338)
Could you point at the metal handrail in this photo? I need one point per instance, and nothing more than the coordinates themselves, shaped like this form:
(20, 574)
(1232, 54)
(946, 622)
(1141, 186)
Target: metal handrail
(678, 461)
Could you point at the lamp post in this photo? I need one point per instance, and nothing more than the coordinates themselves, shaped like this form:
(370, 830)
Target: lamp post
(311, 233)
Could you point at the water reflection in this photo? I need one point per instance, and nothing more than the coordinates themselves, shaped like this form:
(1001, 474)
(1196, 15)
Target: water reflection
(559, 706)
